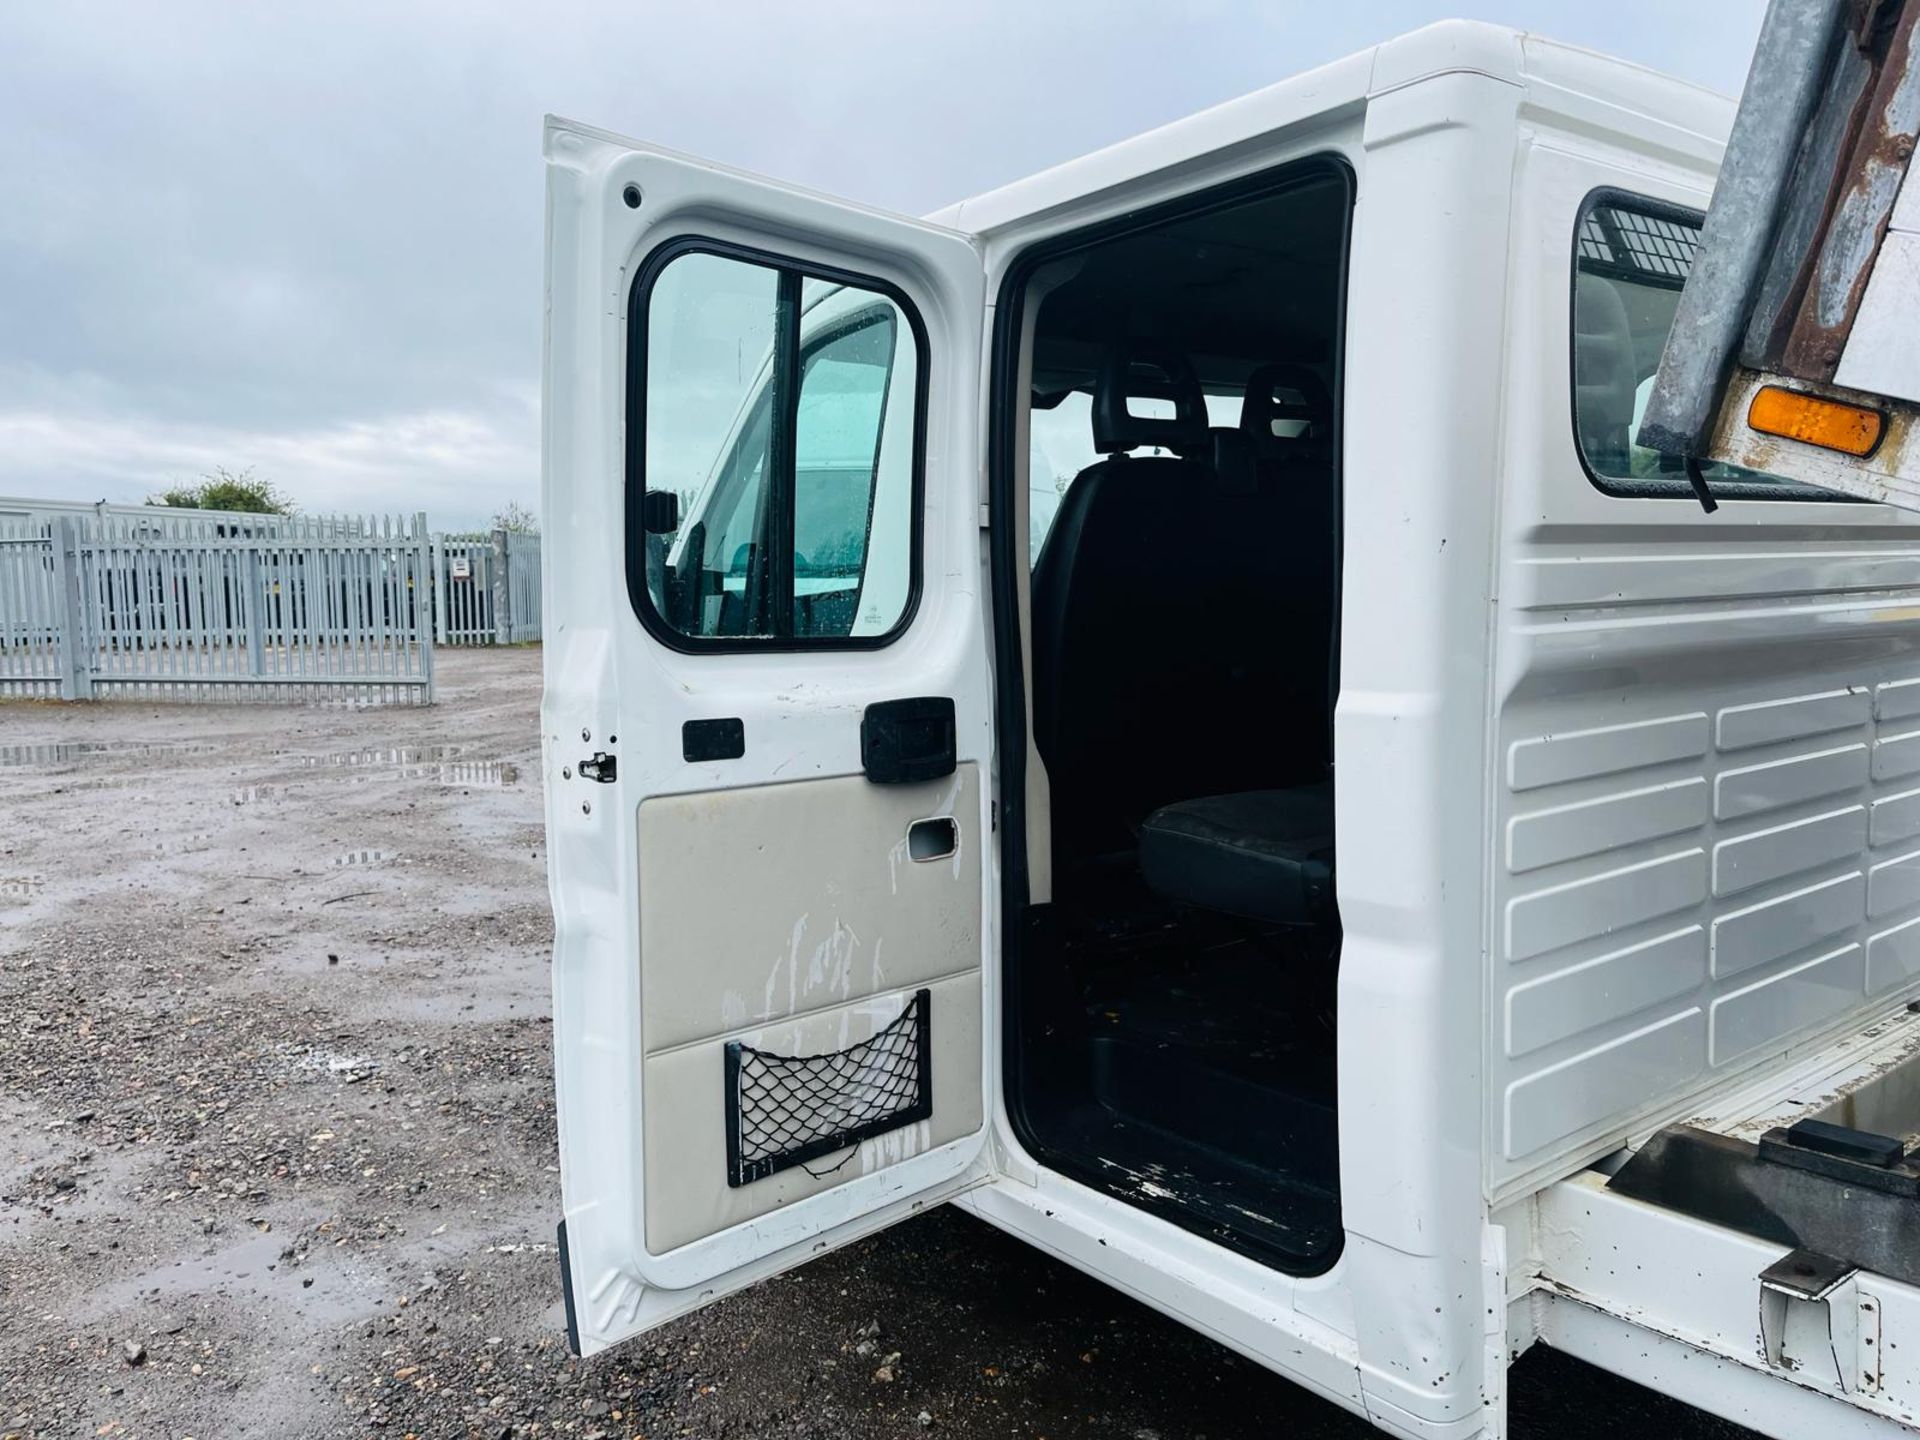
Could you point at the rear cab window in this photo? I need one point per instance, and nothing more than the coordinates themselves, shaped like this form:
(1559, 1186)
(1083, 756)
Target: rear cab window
(1632, 255)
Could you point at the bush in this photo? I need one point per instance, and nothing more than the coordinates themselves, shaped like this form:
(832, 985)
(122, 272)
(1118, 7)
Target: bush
(227, 490)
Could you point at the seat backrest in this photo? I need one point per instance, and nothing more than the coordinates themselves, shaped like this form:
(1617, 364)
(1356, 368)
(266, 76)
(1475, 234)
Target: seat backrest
(1105, 592)
(1170, 625)
(1287, 416)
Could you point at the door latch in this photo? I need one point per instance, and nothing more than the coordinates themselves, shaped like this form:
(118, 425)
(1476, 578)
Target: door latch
(601, 767)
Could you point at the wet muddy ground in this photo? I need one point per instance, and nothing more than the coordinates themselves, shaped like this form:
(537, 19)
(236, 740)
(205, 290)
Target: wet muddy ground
(277, 1141)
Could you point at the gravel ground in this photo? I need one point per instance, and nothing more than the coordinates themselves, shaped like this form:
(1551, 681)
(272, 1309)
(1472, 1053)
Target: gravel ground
(277, 1142)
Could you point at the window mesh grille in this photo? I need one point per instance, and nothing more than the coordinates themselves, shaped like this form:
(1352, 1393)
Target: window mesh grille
(1635, 246)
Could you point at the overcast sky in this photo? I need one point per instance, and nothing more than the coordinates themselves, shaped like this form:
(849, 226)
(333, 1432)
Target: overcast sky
(307, 239)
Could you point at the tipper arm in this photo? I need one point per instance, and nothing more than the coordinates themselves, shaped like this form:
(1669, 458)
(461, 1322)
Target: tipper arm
(1796, 346)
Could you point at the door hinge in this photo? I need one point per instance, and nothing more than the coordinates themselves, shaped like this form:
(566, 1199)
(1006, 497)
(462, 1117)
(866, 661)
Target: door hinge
(600, 767)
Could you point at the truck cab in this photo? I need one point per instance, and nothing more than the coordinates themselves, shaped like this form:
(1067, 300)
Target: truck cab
(1167, 705)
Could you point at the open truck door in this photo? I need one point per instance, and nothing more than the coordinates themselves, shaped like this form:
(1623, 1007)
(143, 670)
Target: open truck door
(767, 724)
(1795, 349)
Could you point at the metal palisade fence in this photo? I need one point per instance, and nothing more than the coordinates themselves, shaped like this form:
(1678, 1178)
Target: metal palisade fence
(463, 591)
(521, 622)
(233, 608)
(487, 588)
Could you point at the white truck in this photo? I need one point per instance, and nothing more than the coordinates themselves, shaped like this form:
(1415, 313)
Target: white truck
(1172, 706)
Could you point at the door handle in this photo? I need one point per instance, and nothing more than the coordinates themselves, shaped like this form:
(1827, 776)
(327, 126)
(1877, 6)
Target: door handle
(933, 839)
(903, 742)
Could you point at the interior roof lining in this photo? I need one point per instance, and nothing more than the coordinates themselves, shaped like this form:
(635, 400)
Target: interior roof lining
(1236, 306)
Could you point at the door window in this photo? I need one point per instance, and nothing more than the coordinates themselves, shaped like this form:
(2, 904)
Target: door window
(781, 412)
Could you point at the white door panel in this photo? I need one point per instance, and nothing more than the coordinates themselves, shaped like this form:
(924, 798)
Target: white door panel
(752, 921)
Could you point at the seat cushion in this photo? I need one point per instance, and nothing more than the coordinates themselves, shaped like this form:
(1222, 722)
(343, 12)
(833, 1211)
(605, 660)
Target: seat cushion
(1263, 854)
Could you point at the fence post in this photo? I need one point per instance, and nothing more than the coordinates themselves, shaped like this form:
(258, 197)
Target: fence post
(427, 611)
(256, 604)
(437, 568)
(76, 664)
(502, 628)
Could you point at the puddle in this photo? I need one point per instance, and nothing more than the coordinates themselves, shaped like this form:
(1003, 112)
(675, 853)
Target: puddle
(361, 857)
(438, 763)
(488, 774)
(103, 782)
(487, 1006)
(252, 1270)
(65, 752)
(397, 757)
(184, 844)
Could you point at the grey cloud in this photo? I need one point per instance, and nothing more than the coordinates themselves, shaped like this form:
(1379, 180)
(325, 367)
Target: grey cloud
(309, 239)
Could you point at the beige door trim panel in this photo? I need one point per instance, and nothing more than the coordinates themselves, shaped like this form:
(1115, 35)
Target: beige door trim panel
(794, 919)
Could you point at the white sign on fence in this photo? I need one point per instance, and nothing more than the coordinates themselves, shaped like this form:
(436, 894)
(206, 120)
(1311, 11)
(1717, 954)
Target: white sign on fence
(488, 590)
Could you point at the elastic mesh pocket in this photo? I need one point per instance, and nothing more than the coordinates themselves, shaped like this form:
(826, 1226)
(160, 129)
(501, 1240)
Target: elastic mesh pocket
(783, 1110)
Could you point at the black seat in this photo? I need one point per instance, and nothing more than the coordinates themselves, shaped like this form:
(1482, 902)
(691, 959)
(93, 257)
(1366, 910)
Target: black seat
(1115, 609)
(1262, 854)
(1286, 421)
(1267, 854)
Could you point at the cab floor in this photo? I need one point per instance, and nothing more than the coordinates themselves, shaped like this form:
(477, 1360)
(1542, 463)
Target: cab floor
(1186, 1065)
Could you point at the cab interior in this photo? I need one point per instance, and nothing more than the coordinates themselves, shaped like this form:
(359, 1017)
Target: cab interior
(1172, 435)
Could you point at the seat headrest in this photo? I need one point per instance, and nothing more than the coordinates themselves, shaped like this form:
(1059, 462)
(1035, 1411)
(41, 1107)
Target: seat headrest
(1263, 413)
(1149, 373)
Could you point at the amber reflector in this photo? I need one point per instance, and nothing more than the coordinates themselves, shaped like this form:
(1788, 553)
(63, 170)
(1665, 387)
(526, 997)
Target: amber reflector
(1815, 421)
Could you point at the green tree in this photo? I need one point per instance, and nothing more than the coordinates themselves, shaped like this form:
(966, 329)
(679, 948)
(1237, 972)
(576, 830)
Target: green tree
(226, 489)
(515, 516)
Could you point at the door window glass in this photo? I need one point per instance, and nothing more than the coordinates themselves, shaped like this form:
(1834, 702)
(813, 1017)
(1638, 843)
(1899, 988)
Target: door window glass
(838, 464)
(781, 413)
